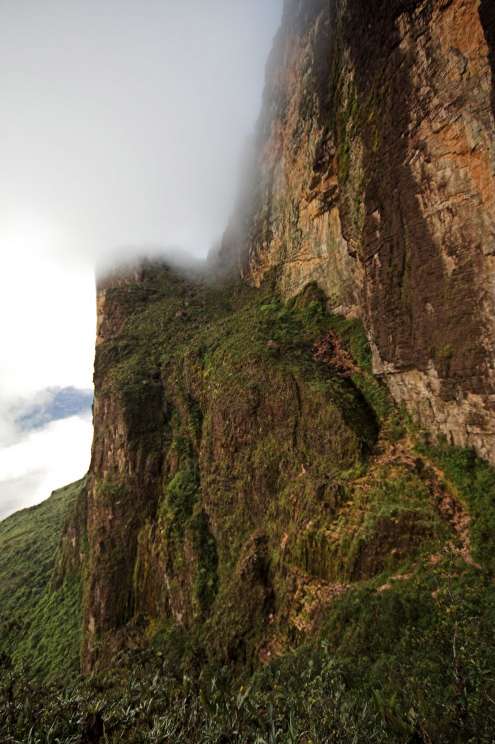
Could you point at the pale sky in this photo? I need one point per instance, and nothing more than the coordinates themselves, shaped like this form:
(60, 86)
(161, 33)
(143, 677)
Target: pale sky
(122, 128)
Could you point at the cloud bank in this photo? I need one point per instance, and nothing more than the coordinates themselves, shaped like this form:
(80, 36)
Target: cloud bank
(42, 461)
(123, 122)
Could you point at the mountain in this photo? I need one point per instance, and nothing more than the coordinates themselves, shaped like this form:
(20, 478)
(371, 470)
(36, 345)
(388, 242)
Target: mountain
(287, 529)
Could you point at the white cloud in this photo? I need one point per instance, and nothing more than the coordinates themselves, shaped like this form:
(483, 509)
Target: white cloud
(48, 327)
(48, 318)
(42, 461)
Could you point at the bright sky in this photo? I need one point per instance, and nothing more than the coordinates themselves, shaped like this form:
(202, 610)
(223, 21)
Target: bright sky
(122, 127)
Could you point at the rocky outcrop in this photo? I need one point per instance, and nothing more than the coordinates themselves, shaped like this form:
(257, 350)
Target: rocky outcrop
(247, 472)
(375, 178)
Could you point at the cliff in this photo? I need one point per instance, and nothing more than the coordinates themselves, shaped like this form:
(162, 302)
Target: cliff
(375, 178)
(287, 475)
(253, 489)
(219, 433)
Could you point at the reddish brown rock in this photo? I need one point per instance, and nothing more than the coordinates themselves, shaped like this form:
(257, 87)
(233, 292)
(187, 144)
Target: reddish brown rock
(376, 161)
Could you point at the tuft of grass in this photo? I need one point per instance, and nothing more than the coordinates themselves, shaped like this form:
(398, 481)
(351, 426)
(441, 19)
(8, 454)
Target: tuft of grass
(181, 494)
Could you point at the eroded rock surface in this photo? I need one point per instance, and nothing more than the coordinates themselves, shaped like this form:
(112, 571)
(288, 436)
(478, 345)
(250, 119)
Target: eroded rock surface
(376, 161)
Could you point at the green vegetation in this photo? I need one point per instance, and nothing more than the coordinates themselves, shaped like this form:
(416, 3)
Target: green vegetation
(286, 563)
(474, 483)
(354, 338)
(299, 703)
(49, 647)
(180, 496)
(39, 622)
(387, 521)
(412, 663)
(205, 547)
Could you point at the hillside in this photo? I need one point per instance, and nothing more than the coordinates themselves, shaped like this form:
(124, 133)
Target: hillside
(39, 621)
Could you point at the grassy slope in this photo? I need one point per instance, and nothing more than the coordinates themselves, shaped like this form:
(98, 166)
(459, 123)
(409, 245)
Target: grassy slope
(39, 625)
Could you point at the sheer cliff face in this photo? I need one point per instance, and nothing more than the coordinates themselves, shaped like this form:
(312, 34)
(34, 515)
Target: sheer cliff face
(246, 468)
(248, 471)
(219, 433)
(376, 179)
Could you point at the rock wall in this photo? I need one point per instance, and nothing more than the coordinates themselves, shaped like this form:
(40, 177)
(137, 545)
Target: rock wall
(218, 433)
(243, 449)
(247, 471)
(375, 178)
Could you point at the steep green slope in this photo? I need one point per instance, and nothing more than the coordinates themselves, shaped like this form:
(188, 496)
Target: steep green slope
(39, 621)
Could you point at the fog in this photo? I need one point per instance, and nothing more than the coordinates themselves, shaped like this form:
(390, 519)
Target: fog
(122, 122)
(121, 134)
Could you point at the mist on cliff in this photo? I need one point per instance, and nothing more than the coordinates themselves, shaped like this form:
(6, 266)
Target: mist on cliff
(121, 134)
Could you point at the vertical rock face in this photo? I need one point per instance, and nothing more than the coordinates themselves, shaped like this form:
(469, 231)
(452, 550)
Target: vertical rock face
(124, 477)
(226, 491)
(219, 434)
(291, 216)
(376, 162)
